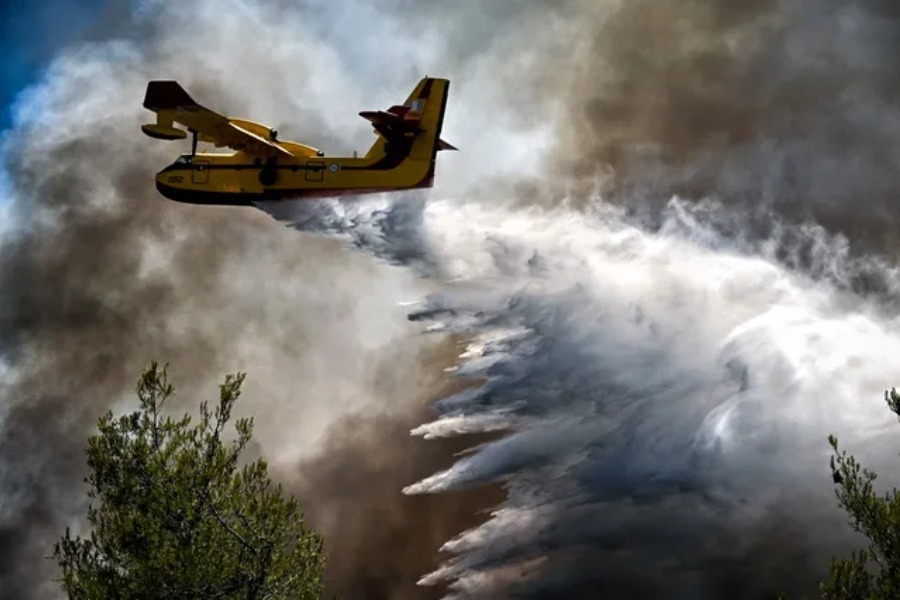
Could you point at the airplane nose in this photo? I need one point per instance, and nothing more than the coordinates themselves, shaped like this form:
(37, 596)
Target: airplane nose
(164, 183)
(167, 191)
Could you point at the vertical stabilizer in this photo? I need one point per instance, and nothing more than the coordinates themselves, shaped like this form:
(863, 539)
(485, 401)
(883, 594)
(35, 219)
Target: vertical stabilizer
(412, 130)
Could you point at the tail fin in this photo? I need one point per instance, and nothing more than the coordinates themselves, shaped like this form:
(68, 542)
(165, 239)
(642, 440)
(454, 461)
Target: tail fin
(413, 128)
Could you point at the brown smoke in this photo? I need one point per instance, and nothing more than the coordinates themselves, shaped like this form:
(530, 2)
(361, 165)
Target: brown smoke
(778, 105)
(789, 105)
(380, 541)
(101, 275)
(79, 319)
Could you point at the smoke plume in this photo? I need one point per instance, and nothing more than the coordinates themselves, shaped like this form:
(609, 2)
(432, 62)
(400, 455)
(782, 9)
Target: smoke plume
(663, 252)
(101, 275)
(781, 105)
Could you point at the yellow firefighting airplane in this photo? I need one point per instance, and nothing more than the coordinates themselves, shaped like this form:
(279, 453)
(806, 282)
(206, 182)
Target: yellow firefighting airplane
(266, 168)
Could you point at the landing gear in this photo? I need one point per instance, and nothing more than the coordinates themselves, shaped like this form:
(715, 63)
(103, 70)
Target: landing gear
(268, 175)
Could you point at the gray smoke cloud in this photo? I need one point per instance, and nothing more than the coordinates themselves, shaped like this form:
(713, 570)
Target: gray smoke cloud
(100, 275)
(660, 375)
(783, 105)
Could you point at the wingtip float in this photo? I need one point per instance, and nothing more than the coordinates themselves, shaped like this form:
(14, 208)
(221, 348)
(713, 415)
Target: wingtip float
(263, 167)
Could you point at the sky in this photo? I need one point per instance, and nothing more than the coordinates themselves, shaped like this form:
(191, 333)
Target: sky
(30, 32)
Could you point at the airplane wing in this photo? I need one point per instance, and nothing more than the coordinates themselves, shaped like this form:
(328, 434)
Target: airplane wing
(171, 103)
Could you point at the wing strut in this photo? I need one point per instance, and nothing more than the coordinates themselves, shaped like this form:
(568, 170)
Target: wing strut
(193, 143)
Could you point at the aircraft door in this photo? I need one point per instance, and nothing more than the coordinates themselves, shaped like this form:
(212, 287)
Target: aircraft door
(315, 170)
(200, 172)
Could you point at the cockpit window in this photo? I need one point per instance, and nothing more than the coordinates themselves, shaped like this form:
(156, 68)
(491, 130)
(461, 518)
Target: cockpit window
(183, 160)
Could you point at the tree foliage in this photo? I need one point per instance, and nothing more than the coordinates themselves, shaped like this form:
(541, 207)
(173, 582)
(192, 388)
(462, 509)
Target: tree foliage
(173, 515)
(874, 572)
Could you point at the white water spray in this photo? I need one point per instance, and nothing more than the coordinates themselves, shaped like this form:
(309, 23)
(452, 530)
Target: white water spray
(695, 375)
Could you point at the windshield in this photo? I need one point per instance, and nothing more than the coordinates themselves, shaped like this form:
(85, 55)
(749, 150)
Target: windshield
(184, 159)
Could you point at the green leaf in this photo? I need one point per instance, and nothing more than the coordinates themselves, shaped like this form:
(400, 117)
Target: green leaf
(172, 515)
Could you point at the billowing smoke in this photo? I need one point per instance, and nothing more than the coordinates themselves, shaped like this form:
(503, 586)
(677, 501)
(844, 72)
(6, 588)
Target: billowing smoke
(650, 379)
(100, 275)
(787, 105)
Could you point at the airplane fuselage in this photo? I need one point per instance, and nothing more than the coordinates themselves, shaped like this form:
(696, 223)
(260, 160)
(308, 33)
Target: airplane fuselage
(239, 179)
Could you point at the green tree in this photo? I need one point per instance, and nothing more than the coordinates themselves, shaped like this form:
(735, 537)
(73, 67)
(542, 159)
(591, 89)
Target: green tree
(874, 572)
(177, 517)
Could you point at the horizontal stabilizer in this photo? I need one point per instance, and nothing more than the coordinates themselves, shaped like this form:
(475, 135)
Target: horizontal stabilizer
(390, 121)
(398, 110)
(442, 145)
(391, 126)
